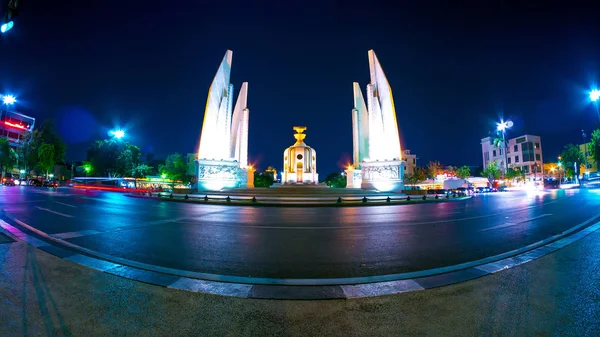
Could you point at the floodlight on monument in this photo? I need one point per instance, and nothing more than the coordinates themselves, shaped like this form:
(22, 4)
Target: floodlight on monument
(595, 95)
(9, 99)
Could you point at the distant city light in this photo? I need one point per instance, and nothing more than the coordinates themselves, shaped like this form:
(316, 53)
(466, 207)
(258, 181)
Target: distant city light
(594, 95)
(9, 99)
(118, 133)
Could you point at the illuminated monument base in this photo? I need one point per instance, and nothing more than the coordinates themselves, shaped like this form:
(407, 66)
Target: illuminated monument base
(215, 175)
(384, 176)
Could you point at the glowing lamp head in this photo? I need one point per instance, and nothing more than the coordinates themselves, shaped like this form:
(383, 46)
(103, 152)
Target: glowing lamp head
(6, 27)
(504, 125)
(21, 171)
(9, 99)
(595, 95)
(118, 133)
(163, 176)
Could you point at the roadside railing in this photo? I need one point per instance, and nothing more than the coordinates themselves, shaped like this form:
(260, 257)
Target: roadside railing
(380, 199)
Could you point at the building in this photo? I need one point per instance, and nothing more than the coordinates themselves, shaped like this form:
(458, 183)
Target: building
(300, 161)
(13, 125)
(591, 166)
(410, 162)
(377, 156)
(524, 152)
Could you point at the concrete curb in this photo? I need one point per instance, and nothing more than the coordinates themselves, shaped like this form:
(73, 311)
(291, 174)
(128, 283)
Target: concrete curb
(307, 289)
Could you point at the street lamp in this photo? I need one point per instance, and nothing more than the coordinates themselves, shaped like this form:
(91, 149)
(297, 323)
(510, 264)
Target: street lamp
(118, 134)
(502, 126)
(595, 98)
(9, 99)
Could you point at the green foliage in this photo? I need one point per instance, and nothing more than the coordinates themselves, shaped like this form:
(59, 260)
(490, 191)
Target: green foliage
(48, 135)
(491, 172)
(175, 168)
(416, 177)
(263, 180)
(463, 172)
(336, 180)
(8, 156)
(594, 147)
(433, 169)
(28, 152)
(511, 174)
(142, 170)
(113, 158)
(46, 157)
(570, 156)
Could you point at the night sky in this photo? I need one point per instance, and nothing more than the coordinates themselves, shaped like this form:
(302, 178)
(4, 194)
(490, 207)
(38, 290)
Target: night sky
(146, 66)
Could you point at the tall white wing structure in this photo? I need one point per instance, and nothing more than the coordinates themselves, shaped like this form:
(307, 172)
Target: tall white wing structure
(377, 153)
(223, 150)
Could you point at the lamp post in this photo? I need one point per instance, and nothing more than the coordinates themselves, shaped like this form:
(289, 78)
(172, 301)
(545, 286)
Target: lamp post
(502, 126)
(595, 98)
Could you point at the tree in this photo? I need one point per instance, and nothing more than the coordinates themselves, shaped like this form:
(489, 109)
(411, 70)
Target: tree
(336, 180)
(263, 180)
(113, 158)
(28, 151)
(511, 174)
(570, 156)
(463, 172)
(491, 172)
(417, 176)
(46, 158)
(141, 171)
(594, 147)
(48, 135)
(8, 156)
(433, 169)
(175, 168)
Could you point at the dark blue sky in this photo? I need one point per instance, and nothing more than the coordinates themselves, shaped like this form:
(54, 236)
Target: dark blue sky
(147, 66)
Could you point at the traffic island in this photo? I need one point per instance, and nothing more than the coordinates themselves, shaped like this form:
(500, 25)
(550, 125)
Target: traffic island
(297, 201)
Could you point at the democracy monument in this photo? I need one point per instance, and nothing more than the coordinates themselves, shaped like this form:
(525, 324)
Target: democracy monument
(223, 152)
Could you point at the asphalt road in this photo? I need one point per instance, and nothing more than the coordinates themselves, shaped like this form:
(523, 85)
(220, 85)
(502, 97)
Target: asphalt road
(300, 242)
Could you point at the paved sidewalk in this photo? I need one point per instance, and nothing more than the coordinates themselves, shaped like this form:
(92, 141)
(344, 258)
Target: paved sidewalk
(558, 294)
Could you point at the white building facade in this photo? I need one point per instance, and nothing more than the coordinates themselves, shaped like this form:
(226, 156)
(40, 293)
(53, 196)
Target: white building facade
(410, 160)
(524, 152)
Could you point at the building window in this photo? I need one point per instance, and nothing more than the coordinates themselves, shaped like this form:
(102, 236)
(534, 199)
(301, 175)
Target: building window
(509, 160)
(500, 151)
(526, 168)
(299, 157)
(516, 148)
(521, 140)
(414, 161)
(537, 146)
(538, 157)
(516, 159)
(494, 153)
(486, 157)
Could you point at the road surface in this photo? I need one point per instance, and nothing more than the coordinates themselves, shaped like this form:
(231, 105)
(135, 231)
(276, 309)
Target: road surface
(284, 242)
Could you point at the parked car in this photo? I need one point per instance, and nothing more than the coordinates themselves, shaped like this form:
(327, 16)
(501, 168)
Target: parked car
(50, 183)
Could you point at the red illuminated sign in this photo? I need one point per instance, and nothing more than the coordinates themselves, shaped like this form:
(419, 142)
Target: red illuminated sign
(19, 126)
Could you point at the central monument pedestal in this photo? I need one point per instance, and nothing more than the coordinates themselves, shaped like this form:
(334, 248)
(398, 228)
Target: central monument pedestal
(384, 176)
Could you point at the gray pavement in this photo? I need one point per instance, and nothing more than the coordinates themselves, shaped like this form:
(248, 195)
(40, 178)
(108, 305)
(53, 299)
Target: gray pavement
(556, 295)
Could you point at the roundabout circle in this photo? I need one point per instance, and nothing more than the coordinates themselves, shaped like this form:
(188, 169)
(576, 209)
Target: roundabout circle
(333, 278)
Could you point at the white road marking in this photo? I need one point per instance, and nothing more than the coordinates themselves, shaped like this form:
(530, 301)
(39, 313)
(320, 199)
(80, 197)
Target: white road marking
(55, 212)
(510, 224)
(62, 203)
(69, 235)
